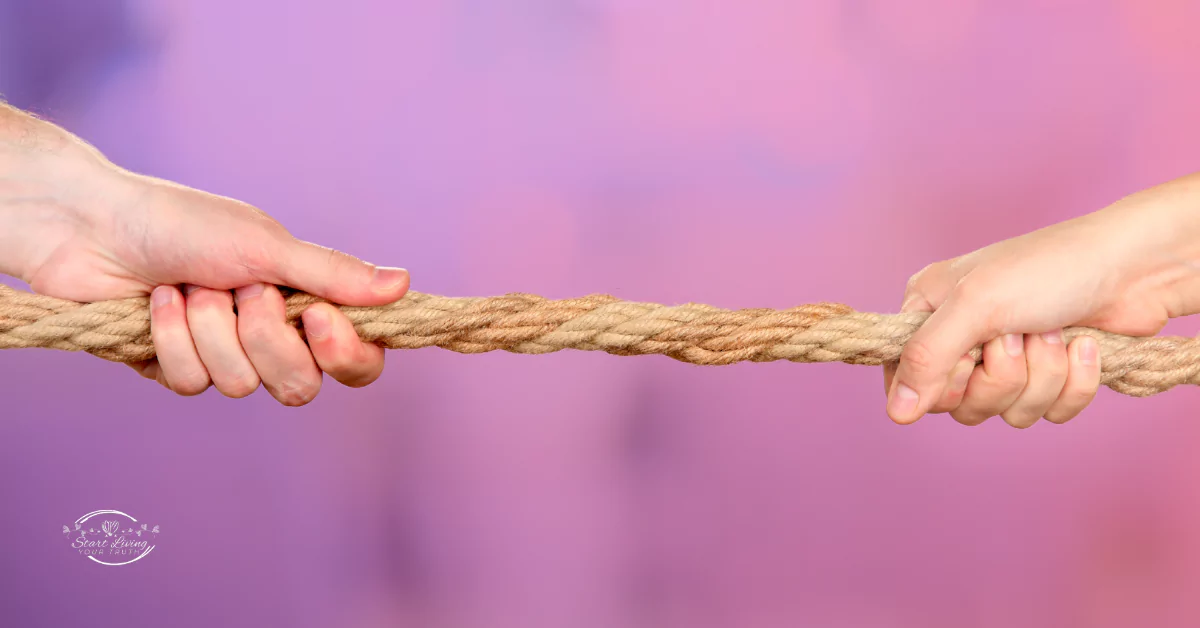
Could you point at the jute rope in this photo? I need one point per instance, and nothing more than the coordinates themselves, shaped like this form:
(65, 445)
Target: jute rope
(523, 323)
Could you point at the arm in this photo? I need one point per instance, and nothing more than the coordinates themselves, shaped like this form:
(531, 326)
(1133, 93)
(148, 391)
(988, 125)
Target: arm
(28, 150)
(75, 226)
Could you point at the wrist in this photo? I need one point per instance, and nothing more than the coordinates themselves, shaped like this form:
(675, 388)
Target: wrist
(13, 131)
(41, 168)
(1185, 207)
(1185, 210)
(1157, 232)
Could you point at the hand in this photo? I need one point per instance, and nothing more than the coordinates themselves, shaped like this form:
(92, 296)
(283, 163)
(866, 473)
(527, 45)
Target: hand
(1126, 269)
(75, 226)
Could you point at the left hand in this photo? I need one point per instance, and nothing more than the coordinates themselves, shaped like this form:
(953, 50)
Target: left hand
(75, 226)
(1126, 269)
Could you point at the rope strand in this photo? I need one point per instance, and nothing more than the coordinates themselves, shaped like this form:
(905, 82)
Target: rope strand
(523, 323)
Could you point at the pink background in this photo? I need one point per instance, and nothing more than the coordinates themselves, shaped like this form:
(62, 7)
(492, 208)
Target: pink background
(750, 154)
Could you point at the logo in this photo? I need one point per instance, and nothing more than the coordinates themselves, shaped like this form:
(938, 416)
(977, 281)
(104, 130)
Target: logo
(111, 537)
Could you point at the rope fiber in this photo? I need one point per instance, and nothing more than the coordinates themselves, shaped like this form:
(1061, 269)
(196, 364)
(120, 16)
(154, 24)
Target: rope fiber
(119, 331)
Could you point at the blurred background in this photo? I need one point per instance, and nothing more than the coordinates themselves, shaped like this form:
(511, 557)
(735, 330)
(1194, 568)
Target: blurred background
(752, 154)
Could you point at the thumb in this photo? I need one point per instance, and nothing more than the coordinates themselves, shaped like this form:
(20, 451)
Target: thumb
(927, 359)
(337, 276)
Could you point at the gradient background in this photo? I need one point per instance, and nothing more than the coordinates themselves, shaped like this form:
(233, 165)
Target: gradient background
(763, 153)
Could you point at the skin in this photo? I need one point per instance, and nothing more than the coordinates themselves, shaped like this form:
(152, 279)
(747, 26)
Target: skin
(1127, 268)
(75, 226)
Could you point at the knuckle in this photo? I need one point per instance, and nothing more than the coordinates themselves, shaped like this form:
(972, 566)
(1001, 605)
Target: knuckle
(1056, 370)
(1058, 417)
(190, 385)
(205, 299)
(1015, 383)
(1078, 397)
(253, 331)
(921, 276)
(148, 370)
(1020, 419)
(258, 254)
(351, 368)
(255, 258)
(971, 292)
(968, 418)
(1006, 383)
(361, 380)
(375, 362)
(1070, 405)
(917, 355)
(913, 282)
(949, 402)
(976, 299)
(239, 387)
(294, 394)
(1048, 362)
(340, 262)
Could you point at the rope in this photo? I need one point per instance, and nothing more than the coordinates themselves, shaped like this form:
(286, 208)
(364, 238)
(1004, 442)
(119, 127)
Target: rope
(523, 323)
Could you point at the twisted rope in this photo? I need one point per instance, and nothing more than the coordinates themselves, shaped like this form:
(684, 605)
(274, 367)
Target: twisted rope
(523, 323)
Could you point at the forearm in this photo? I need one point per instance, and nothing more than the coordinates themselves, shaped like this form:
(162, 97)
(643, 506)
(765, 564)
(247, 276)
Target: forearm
(14, 131)
(1183, 205)
(1181, 200)
(1157, 234)
(40, 164)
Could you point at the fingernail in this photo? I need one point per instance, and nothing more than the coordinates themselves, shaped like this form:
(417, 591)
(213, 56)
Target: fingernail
(1053, 337)
(903, 402)
(388, 279)
(246, 293)
(1088, 350)
(1014, 344)
(317, 324)
(161, 297)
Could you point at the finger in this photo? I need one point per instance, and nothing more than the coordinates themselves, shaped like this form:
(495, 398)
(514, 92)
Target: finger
(932, 352)
(337, 276)
(274, 347)
(338, 350)
(913, 302)
(150, 369)
(993, 388)
(956, 388)
(214, 328)
(1046, 359)
(1083, 381)
(146, 368)
(180, 366)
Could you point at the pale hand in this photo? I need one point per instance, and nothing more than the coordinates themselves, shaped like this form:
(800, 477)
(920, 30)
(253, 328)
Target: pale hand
(75, 226)
(1125, 269)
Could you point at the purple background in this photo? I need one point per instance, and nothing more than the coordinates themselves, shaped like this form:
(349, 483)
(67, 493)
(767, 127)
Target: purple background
(748, 154)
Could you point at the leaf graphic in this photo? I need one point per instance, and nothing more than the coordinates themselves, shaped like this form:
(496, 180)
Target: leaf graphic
(76, 526)
(139, 532)
(155, 530)
(66, 530)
